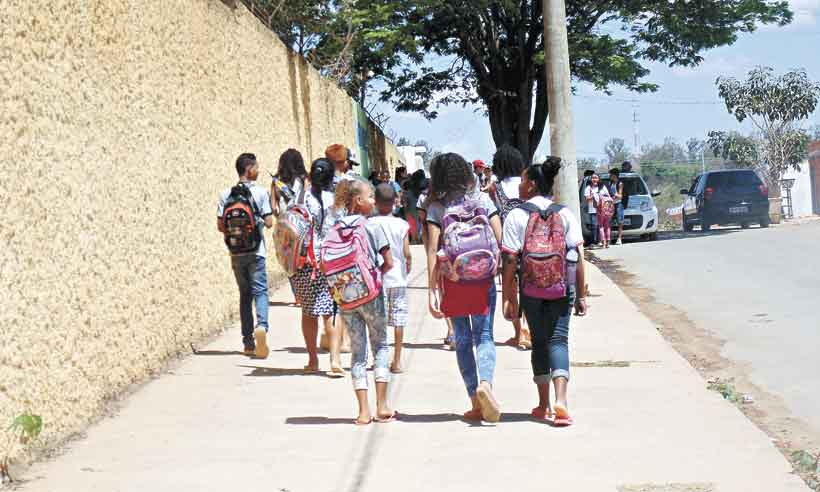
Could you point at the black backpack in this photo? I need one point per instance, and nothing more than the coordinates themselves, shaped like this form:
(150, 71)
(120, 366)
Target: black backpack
(242, 236)
(507, 204)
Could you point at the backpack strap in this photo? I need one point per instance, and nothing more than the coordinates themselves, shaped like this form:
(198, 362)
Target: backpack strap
(301, 199)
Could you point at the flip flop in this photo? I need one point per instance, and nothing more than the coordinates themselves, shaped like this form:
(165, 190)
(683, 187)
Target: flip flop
(562, 417)
(385, 420)
(362, 424)
(541, 414)
(310, 370)
(525, 345)
(473, 415)
(336, 373)
(512, 342)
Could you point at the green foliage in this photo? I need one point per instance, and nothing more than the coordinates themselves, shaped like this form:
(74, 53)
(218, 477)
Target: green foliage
(616, 151)
(27, 426)
(775, 105)
(492, 51)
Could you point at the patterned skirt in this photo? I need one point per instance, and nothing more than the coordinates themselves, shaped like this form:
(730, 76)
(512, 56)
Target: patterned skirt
(313, 292)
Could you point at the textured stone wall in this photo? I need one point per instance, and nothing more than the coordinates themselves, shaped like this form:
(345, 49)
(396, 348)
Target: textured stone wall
(120, 121)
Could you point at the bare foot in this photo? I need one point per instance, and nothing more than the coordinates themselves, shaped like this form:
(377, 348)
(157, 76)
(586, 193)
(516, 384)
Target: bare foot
(364, 419)
(313, 366)
(385, 415)
(395, 367)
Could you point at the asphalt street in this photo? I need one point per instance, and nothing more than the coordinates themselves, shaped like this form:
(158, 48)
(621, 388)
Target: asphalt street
(757, 289)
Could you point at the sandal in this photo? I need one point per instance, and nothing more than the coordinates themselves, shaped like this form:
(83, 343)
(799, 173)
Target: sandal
(512, 342)
(525, 345)
(385, 420)
(311, 369)
(473, 415)
(541, 414)
(562, 417)
(357, 422)
(394, 370)
(336, 373)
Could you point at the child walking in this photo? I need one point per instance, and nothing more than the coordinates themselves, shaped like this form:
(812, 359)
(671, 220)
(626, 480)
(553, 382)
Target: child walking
(309, 282)
(353, 255)
(549, 243)
(470, 305)
(395, 280)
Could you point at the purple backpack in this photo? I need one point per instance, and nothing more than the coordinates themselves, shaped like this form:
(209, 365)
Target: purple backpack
(469, 247)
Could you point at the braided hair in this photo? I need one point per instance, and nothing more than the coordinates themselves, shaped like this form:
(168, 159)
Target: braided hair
(544, 174)
(450, 173)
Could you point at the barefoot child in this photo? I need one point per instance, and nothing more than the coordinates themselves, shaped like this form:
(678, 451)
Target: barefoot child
(352, 258)
(537, 230)
(470, 304)
(395, 280)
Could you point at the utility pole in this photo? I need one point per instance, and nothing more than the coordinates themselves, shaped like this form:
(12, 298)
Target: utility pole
(636, 126)
(562, 130)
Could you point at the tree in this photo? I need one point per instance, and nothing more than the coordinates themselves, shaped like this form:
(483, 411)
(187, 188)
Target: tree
(491, 52)
(587, 164)
(667, 153)
(694, 149)
(776, 105)
(616, 150)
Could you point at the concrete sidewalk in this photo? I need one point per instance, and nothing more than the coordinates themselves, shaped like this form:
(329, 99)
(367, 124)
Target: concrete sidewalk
(222, 422)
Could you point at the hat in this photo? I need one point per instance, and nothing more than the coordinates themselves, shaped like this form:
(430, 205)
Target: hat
(340, 153)
(479, 164)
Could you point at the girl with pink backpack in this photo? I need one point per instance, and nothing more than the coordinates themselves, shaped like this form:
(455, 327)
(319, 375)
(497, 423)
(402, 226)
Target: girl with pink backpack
(543, 248)
(354, 255)
(464, 231)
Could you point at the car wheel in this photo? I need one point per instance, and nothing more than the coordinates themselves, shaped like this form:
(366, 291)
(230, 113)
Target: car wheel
(653, 236)
(764, 222)
(704, 225)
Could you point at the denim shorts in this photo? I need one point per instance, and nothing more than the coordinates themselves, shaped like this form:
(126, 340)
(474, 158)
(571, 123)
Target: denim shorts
(618, 217)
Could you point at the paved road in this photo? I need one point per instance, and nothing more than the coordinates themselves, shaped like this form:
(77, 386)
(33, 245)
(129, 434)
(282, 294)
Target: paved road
(757, 289)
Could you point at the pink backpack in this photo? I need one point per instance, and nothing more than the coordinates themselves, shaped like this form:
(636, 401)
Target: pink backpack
(544, 257)
(607, 207)
(346, 262)
(469, 247)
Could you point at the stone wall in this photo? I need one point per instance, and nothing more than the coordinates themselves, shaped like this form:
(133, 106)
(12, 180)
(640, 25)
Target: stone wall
(120, 123)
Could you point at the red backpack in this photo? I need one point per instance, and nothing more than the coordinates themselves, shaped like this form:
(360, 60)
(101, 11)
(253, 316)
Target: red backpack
(543, 270)
(293, 238)
(607, 207)
(241, 233)
(345, 260)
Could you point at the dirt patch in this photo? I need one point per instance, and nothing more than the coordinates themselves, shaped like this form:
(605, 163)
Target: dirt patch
(703, 351)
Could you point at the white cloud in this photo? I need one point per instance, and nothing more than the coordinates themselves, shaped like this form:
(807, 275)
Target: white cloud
(715, 66)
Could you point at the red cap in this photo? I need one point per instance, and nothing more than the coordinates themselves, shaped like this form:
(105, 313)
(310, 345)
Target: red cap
(479, 164)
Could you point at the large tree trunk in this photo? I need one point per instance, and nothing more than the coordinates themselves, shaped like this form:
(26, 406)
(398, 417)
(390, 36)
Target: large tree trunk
(512, 119)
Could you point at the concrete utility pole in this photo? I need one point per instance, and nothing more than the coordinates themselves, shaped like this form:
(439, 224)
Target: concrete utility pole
(562, 130)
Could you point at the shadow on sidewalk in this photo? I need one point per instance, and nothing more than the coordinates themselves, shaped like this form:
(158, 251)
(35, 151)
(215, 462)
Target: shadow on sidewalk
(427, 346)
(317, 421)
(283, 304)
(275, 372)
(219, 352)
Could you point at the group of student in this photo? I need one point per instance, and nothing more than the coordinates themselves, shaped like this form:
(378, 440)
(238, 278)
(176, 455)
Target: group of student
(356, 262)
(606, 204)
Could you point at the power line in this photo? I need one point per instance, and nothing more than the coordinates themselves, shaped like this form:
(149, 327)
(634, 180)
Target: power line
(669, 102)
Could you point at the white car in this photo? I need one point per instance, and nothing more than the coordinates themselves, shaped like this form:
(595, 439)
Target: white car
(640, 216)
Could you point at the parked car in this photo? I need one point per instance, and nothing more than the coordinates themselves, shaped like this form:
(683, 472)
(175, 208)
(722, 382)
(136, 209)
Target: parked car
(731, 197)
(640, 213)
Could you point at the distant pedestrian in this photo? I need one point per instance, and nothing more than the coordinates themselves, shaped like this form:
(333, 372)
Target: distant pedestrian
(342, 160)
(537, 229)
(592, 194)
(395, 280)
(508, 163)
(241, 214)
(470, 305)
(616, 191)
(353, 252)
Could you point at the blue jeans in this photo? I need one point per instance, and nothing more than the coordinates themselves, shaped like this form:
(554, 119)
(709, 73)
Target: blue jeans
(476, 332)
(252, 279)
(593, 219)
(549, 328)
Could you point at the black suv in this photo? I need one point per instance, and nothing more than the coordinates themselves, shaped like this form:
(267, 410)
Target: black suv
(735, 196)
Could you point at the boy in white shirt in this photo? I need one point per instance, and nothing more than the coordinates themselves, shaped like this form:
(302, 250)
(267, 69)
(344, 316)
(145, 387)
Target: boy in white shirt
(395, 280)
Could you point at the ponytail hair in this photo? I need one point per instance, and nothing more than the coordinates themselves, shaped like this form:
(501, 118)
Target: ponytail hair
(321, 179)
(544, 174)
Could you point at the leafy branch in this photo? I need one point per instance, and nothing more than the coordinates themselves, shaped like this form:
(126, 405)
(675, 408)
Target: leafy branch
(23, 431)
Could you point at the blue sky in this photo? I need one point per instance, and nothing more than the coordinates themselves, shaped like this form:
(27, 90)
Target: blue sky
(598, 117)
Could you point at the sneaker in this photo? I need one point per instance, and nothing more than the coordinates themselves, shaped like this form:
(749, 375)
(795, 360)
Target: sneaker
(490, 409)
(618, 242)
(261, 338)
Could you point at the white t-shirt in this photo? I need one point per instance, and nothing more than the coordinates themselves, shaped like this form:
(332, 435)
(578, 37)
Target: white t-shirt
(261, 198)
(515, 228)
(596, 194)
(510, 186)
(396, 231)
(320, 227)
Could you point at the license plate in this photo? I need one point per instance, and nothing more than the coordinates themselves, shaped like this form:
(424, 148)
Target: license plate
(738, 210)
(627, 222)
